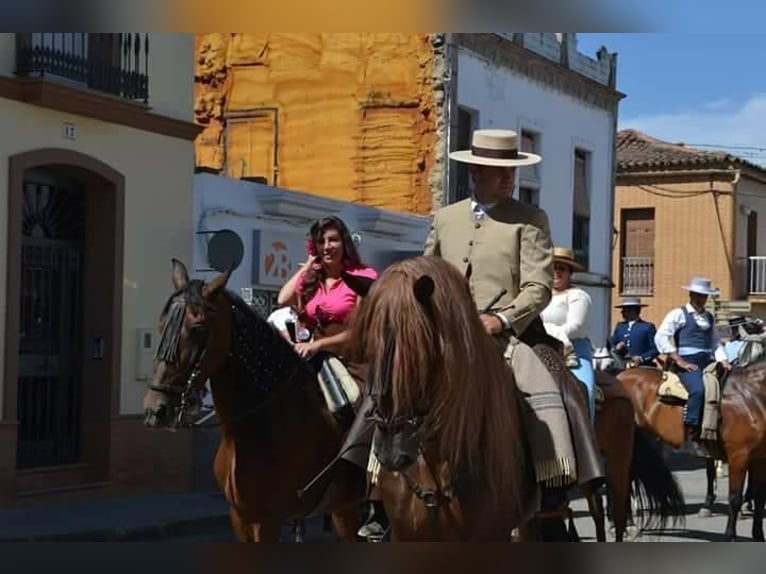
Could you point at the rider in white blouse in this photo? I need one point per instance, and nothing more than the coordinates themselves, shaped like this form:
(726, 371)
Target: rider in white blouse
(566, 318)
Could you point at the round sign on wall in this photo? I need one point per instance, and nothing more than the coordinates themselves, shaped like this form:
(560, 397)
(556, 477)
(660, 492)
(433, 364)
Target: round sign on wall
(225, 250)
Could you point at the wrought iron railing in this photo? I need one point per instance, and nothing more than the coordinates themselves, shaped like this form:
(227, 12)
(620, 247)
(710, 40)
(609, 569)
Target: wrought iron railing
(114, 63)
(637, 276)
(756, 275)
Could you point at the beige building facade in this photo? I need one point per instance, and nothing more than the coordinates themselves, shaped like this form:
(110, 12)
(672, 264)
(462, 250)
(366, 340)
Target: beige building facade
(682, 212)
(96, 177)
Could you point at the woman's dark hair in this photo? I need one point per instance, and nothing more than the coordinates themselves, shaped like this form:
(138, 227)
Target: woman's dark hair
(350, 255)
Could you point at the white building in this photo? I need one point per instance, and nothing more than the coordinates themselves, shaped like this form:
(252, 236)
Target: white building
(564, 104)
(96, 169)
(271, 225)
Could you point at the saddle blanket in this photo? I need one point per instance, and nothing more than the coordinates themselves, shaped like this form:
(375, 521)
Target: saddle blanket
(546, 419)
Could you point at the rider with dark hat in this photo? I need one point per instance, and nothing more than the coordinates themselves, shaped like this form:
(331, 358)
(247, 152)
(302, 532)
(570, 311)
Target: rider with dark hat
(633, 338)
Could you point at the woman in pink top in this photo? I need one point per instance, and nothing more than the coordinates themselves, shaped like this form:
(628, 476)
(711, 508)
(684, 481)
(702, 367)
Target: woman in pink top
(321, 297)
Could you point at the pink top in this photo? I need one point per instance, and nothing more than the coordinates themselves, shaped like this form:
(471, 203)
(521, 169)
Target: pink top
(337, 303)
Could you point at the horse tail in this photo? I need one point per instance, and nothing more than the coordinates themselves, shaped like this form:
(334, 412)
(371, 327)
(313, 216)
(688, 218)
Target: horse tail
(655, 488)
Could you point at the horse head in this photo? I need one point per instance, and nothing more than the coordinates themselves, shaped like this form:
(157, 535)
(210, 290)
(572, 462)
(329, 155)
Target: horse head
(194, 342)
(438, 382)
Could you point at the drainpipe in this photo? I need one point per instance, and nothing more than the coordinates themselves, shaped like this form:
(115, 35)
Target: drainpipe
(450, 96)
(610, 243)
(735, 215)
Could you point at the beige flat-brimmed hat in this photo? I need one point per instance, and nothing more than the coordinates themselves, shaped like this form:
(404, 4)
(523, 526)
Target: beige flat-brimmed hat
(566, 256)
(498, 148)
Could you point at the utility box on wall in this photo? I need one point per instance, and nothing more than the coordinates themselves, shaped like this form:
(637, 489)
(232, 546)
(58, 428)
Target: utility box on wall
(144, 353)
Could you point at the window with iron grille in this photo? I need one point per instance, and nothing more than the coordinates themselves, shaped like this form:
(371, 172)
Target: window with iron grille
(637, 251)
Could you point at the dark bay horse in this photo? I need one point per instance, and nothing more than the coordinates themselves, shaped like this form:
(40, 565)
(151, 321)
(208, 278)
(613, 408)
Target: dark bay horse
(276, 431)
(631, 458)
(742, 431)
(454, 462)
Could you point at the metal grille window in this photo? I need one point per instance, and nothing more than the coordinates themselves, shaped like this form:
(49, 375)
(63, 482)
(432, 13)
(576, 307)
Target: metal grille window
(50, 327)
(637, 252)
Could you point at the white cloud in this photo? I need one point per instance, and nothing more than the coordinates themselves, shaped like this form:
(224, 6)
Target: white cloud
(717, 123)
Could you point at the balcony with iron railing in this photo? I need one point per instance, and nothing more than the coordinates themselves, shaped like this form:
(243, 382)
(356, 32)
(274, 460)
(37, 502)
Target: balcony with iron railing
(117, 64)
(637, 276)
(756, 276)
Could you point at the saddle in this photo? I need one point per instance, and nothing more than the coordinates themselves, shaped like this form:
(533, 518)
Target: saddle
(338, 386)
(672, 390)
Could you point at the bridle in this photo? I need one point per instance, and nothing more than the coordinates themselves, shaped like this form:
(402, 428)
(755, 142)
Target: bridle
(411, 426)
(190, 393)
(185, 402)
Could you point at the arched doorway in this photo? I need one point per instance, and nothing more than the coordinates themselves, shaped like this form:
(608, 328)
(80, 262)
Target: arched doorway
(64, 316)
(50, 320)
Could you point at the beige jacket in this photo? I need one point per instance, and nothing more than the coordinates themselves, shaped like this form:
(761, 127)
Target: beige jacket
(509, 248)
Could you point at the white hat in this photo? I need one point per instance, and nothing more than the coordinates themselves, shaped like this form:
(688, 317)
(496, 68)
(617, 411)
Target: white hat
(495, 148)
(702, 286)
(631, 302)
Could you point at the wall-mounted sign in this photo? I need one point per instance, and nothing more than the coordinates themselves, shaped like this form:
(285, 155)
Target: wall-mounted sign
(276, 256)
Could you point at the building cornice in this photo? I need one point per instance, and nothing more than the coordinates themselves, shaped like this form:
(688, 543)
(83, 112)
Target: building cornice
(95, 105)
(505, 53)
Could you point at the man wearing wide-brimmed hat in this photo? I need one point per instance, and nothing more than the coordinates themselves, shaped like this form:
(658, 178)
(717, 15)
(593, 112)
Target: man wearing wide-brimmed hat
(689, 337)
(504, 248)
(633, 338)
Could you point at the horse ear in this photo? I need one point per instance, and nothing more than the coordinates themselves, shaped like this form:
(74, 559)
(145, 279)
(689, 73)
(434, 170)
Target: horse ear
(423, 288)
(215, 286)
(180, 275)
(359, 285)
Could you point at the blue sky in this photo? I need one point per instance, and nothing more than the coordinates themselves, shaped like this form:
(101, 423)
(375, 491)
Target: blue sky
(699, 88)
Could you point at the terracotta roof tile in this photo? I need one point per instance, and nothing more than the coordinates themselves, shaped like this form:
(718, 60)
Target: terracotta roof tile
(636, 150)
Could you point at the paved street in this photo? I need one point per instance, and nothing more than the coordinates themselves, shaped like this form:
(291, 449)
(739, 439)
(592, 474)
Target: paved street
(691, 475)
(203, 517)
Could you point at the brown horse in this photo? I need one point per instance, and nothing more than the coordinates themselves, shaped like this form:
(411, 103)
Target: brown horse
(630, 454)
(742, 431)
(454, 462)
(276, 432)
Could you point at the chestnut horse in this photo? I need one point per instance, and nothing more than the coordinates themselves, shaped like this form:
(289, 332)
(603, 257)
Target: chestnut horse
(276, 431)
(631, 457)
(454, 461)
(742, 431)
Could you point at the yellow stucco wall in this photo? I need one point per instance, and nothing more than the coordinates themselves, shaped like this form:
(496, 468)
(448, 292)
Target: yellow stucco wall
(693, 237)
(356, 113)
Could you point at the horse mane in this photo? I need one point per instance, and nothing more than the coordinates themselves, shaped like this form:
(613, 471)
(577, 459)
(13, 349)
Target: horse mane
(265, 357)
(445, 367)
